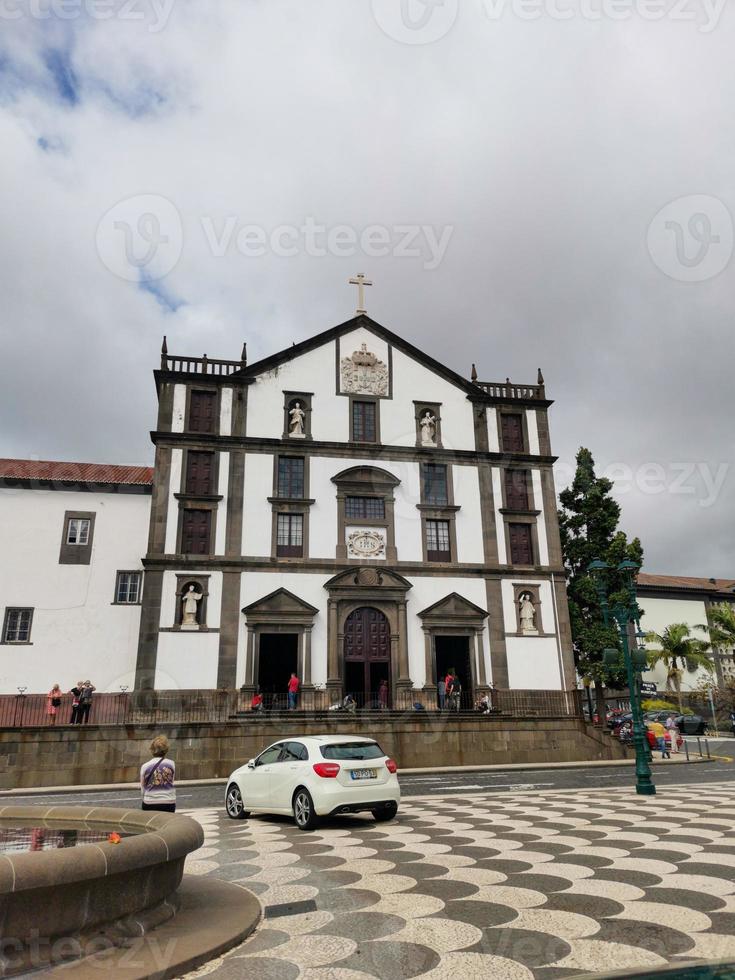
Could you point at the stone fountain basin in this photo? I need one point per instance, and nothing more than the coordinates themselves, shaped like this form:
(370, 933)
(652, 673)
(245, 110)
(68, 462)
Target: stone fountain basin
(102, 890)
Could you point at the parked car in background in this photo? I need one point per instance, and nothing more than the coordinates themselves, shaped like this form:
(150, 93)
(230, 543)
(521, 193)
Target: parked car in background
(653, 741)
(316, 776)
(691, 724)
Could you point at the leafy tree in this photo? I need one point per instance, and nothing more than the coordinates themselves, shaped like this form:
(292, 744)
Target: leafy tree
(588, 522)
(678, 647)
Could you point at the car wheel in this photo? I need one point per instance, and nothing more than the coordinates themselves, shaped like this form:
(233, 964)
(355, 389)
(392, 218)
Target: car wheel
(234, 804)
(386, 812)
(303, 810)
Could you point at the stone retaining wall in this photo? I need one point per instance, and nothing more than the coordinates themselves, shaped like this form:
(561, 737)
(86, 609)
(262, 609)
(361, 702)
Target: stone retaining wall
(69, 756)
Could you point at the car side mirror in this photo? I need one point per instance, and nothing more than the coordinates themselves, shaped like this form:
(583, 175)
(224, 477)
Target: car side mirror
(251, 763)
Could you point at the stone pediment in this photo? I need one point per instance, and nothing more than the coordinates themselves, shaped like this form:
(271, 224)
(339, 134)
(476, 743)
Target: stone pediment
(453, 608)
(280, 603)
(369, 579)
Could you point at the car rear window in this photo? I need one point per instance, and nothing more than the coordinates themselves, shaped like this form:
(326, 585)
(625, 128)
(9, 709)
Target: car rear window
(352, 751)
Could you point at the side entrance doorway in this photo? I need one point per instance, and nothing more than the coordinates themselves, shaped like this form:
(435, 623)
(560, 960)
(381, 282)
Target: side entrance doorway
(278, 656)
(453, 653)
(367, 666)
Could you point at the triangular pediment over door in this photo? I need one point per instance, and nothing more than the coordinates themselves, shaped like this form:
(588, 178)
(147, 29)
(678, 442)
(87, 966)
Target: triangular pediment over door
(283, 604)
(453, 608)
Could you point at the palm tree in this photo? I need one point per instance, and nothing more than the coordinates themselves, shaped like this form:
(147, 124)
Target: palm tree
(722, 630)
(678, 646)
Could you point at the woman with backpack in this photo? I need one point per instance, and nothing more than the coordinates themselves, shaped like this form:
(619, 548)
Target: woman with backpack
(157, 778)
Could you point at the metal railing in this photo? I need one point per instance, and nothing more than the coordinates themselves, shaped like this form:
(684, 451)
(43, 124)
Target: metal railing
(183, 707)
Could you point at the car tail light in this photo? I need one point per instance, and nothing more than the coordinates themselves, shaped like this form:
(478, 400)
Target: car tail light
(328, 770)
(391, 766)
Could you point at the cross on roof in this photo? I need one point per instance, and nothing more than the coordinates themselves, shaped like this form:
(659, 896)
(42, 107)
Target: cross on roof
(360, 281)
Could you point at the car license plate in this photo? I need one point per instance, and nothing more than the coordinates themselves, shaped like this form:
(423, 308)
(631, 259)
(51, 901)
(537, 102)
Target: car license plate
(363, 774)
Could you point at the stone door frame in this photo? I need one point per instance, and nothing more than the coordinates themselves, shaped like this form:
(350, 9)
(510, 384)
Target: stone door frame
(279, 612)
(379, 589)
(454, 616)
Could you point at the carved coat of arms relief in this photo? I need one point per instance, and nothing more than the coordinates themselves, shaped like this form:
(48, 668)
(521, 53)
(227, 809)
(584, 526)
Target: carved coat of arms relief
(364, 374)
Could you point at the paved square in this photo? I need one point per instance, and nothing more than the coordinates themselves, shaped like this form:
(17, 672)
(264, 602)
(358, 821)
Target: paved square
(544, 885)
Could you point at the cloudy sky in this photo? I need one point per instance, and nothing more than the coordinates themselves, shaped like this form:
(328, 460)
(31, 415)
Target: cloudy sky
(528, 182)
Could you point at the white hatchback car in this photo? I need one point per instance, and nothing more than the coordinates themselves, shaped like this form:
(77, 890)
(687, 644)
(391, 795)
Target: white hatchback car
(316, 776)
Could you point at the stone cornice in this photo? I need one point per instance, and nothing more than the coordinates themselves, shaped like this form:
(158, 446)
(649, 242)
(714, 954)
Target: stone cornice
(333, 566)
(345, 450)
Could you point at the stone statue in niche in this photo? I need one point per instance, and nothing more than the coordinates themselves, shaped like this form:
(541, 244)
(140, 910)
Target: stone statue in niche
(428, 429)
(527, 614)
(296, 422)
(190, 604)
(363, 374)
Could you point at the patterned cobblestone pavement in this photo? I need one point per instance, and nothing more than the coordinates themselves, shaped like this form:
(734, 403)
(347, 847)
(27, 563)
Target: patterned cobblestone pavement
(532, 885)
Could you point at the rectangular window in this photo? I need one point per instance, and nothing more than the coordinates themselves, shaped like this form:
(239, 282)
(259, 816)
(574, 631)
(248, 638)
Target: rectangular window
(203, 411)
(199, 473)
(77, 531)
(437, 541)
(512, 432)
(435, 484)
(362, 508)
(290, 536)
(521, 544)
(17, 625)
(291, 476)
(195, 533)
(127, 588)
(516, 489)
(364, 428)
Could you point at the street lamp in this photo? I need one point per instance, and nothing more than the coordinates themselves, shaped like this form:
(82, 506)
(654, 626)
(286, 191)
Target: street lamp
(623, 614)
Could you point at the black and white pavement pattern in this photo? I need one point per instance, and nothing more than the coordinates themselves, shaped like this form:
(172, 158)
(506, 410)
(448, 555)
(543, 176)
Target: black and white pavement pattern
(540, 884)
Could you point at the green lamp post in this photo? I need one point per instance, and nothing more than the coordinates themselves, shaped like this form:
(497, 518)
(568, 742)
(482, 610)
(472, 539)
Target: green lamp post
(622, 615)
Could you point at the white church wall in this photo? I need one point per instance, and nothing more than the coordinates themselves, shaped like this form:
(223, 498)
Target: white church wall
(310, 588)
(413, 381)
(533, 663)
(532, 423)
(492, 429)
(499, 523)
(172, 517)
(543, 542)
(257, 517)
(169, 597)
(427, 591)
(469, 518)
(77, 632)
(225, 419)
(312, 371)
(221, 525)
(187, 661)
(178, 417)
(658, 613)
(545, 594)
(315, 371)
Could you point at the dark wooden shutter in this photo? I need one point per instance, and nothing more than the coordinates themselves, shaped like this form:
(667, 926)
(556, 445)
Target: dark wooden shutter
(512, 430)
(195, 532)
(199, 473)
(203, 411)
(521, 546)
(516, 489)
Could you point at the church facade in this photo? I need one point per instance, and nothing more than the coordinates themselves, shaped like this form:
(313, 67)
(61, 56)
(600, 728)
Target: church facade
(349, 510)
(354, 512)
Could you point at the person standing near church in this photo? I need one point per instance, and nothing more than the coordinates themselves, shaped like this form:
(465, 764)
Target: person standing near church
(76, 693)
(85, 701)
(441, 688)
(157, 778)
(383, 695)
(293, 692)
(54, 702)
